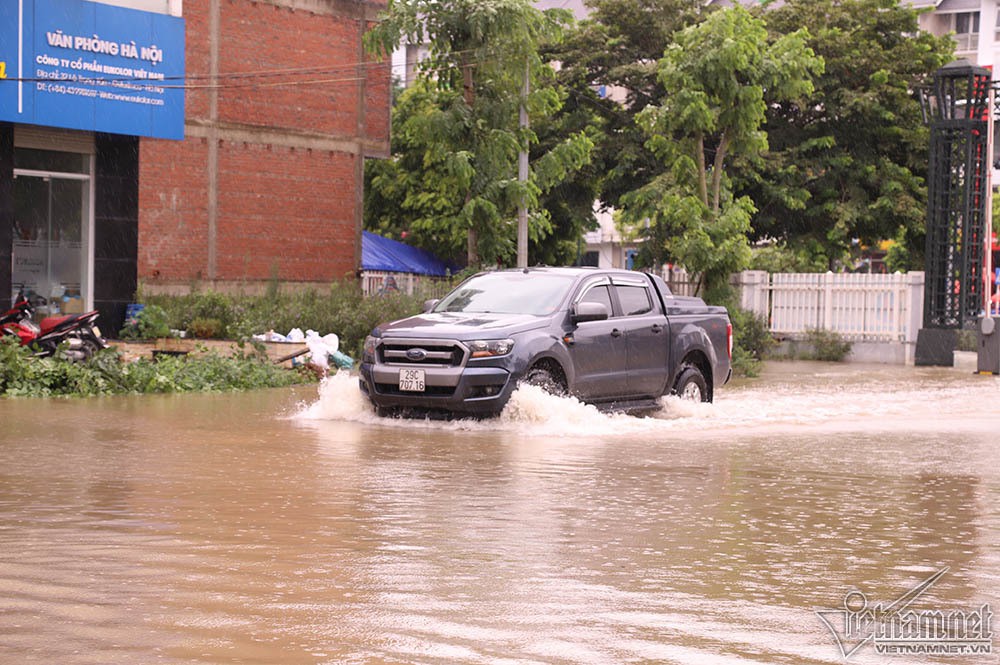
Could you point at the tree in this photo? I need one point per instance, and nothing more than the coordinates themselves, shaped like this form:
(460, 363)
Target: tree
(453, 175)
(851, 161)
(722, 74)
(632, 35)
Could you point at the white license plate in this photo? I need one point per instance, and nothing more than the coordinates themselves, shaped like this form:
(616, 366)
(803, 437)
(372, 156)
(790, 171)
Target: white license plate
(411, 380)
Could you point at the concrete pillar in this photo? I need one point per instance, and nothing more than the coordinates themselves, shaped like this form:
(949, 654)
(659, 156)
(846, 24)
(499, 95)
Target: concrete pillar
(753, 291)
(986, 53)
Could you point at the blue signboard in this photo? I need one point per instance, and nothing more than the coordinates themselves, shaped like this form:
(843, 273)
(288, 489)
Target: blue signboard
(86, 65)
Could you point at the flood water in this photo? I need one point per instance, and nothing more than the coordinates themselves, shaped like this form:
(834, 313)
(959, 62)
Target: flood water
(294, 526)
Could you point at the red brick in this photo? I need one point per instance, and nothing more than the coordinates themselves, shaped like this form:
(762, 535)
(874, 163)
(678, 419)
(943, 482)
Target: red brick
(278, 208)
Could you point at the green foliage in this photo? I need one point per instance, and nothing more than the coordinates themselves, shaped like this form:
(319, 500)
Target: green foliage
(150, 323)
(827, 345)
(452, 181)
(967, 340)
(209, 309)
(206, 328)
(724, 72)
(22, 375)
(850, 161)
(779, 257)
(341, 309)
(631, 35)
(903, 255)
(752, 341)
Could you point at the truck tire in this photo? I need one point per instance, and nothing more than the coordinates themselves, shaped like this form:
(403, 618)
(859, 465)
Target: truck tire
(544, 379)
(691, 385)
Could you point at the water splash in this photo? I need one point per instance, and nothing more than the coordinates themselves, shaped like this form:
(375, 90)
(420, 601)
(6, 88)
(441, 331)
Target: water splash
(339, 399)
(823, 402)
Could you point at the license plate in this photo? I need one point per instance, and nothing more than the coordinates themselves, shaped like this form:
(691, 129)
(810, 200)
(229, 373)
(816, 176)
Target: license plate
(411, 380)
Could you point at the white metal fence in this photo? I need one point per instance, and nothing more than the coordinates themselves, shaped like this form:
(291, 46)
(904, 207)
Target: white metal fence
(862, 307)
(374, 282)
(679, 281)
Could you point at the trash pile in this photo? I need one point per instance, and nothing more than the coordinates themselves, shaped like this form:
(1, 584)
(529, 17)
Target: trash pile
(323, 350)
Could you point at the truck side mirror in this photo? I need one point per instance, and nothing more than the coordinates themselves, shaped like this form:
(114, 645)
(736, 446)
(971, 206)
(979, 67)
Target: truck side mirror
(589, 311)
(430, 304)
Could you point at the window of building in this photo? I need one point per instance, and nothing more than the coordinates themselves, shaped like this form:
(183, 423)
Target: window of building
(966, 28)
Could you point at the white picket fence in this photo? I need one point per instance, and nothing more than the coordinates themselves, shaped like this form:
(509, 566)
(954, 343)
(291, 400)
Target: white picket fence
(865, 308)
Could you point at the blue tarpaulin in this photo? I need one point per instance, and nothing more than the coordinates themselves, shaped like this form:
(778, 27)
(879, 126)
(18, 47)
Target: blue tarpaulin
(378, 253)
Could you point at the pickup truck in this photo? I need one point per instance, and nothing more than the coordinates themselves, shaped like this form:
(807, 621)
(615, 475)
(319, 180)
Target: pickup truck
(614, 338)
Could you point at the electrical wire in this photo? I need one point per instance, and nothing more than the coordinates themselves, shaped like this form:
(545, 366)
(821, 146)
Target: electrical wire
(232, 79)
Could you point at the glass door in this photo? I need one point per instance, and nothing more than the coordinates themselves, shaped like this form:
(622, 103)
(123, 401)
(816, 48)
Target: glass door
(51, 255)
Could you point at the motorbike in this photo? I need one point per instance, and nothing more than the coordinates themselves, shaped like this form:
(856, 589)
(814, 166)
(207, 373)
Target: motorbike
(78, 331)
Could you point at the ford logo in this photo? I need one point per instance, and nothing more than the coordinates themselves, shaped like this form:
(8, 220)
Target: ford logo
(416, 355)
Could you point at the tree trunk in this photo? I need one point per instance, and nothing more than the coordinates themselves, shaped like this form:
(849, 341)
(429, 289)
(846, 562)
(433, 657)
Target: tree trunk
(720, 158)
(468, 86)
(699, 149)
(472, 248)
(469, 94)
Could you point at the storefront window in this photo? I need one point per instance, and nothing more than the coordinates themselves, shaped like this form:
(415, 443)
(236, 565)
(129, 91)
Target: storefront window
(51, 160)
(51, 213)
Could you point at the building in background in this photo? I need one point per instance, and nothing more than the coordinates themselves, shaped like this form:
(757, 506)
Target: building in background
(213, 142)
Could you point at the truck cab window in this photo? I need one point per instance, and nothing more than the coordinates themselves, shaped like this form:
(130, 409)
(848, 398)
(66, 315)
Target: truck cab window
(599, 294)
(634, 299)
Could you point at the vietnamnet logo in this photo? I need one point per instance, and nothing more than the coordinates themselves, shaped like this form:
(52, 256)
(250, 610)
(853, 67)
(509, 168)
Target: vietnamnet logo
(899, 629)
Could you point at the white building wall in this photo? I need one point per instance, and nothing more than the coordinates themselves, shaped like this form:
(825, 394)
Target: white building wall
(169, 7)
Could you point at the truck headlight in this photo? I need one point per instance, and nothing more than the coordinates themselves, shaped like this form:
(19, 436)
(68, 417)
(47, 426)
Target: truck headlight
(369, 348)
(488, 348)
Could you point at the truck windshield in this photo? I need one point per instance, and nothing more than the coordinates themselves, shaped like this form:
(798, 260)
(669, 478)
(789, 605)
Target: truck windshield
(508, 293)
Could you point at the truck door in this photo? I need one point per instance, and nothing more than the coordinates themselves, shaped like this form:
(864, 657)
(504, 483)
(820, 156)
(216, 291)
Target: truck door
(598, 351)
(647, 336)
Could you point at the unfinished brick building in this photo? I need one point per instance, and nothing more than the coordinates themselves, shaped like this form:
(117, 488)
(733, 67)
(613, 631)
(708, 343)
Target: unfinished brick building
(259, 177)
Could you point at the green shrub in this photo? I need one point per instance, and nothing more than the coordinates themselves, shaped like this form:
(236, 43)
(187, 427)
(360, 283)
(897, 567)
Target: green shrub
(752, 341)
(205, 328)
(827, 345)
(341, 309)
(22, 375)
(150, 323)
(967, 340)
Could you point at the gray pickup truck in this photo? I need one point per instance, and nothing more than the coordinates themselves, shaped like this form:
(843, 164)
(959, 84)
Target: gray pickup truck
(614, 338)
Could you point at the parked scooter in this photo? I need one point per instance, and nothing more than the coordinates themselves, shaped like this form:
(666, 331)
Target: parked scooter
(80, 331)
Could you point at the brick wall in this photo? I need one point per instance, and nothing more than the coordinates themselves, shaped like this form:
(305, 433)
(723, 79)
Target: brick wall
(285, 211)
(267, 179)
(173, 210)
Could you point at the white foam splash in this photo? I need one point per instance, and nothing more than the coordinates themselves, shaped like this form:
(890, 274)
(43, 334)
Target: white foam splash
(340, 398)
(760, 407)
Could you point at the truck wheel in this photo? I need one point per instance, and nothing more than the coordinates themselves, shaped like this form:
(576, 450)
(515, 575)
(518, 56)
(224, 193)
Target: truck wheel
(544, 379)
(691, 385)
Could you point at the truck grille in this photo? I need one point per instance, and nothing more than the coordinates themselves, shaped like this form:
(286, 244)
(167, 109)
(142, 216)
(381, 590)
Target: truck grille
(431, 391)
(422, 352)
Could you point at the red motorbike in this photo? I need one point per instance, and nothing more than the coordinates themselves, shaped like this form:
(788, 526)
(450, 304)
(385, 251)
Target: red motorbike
(79, 331)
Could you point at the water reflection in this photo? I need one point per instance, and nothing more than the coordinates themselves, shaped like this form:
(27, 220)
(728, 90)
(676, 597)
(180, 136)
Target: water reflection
(286, 527)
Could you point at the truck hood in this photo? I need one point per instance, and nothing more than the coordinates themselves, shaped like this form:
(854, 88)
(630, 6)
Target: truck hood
(457, 325)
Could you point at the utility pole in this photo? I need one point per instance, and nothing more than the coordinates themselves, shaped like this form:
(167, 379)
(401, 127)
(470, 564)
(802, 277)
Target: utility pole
(522, 177)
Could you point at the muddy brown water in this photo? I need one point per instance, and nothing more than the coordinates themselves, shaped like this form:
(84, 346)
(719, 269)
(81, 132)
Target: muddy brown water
(294, 526)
